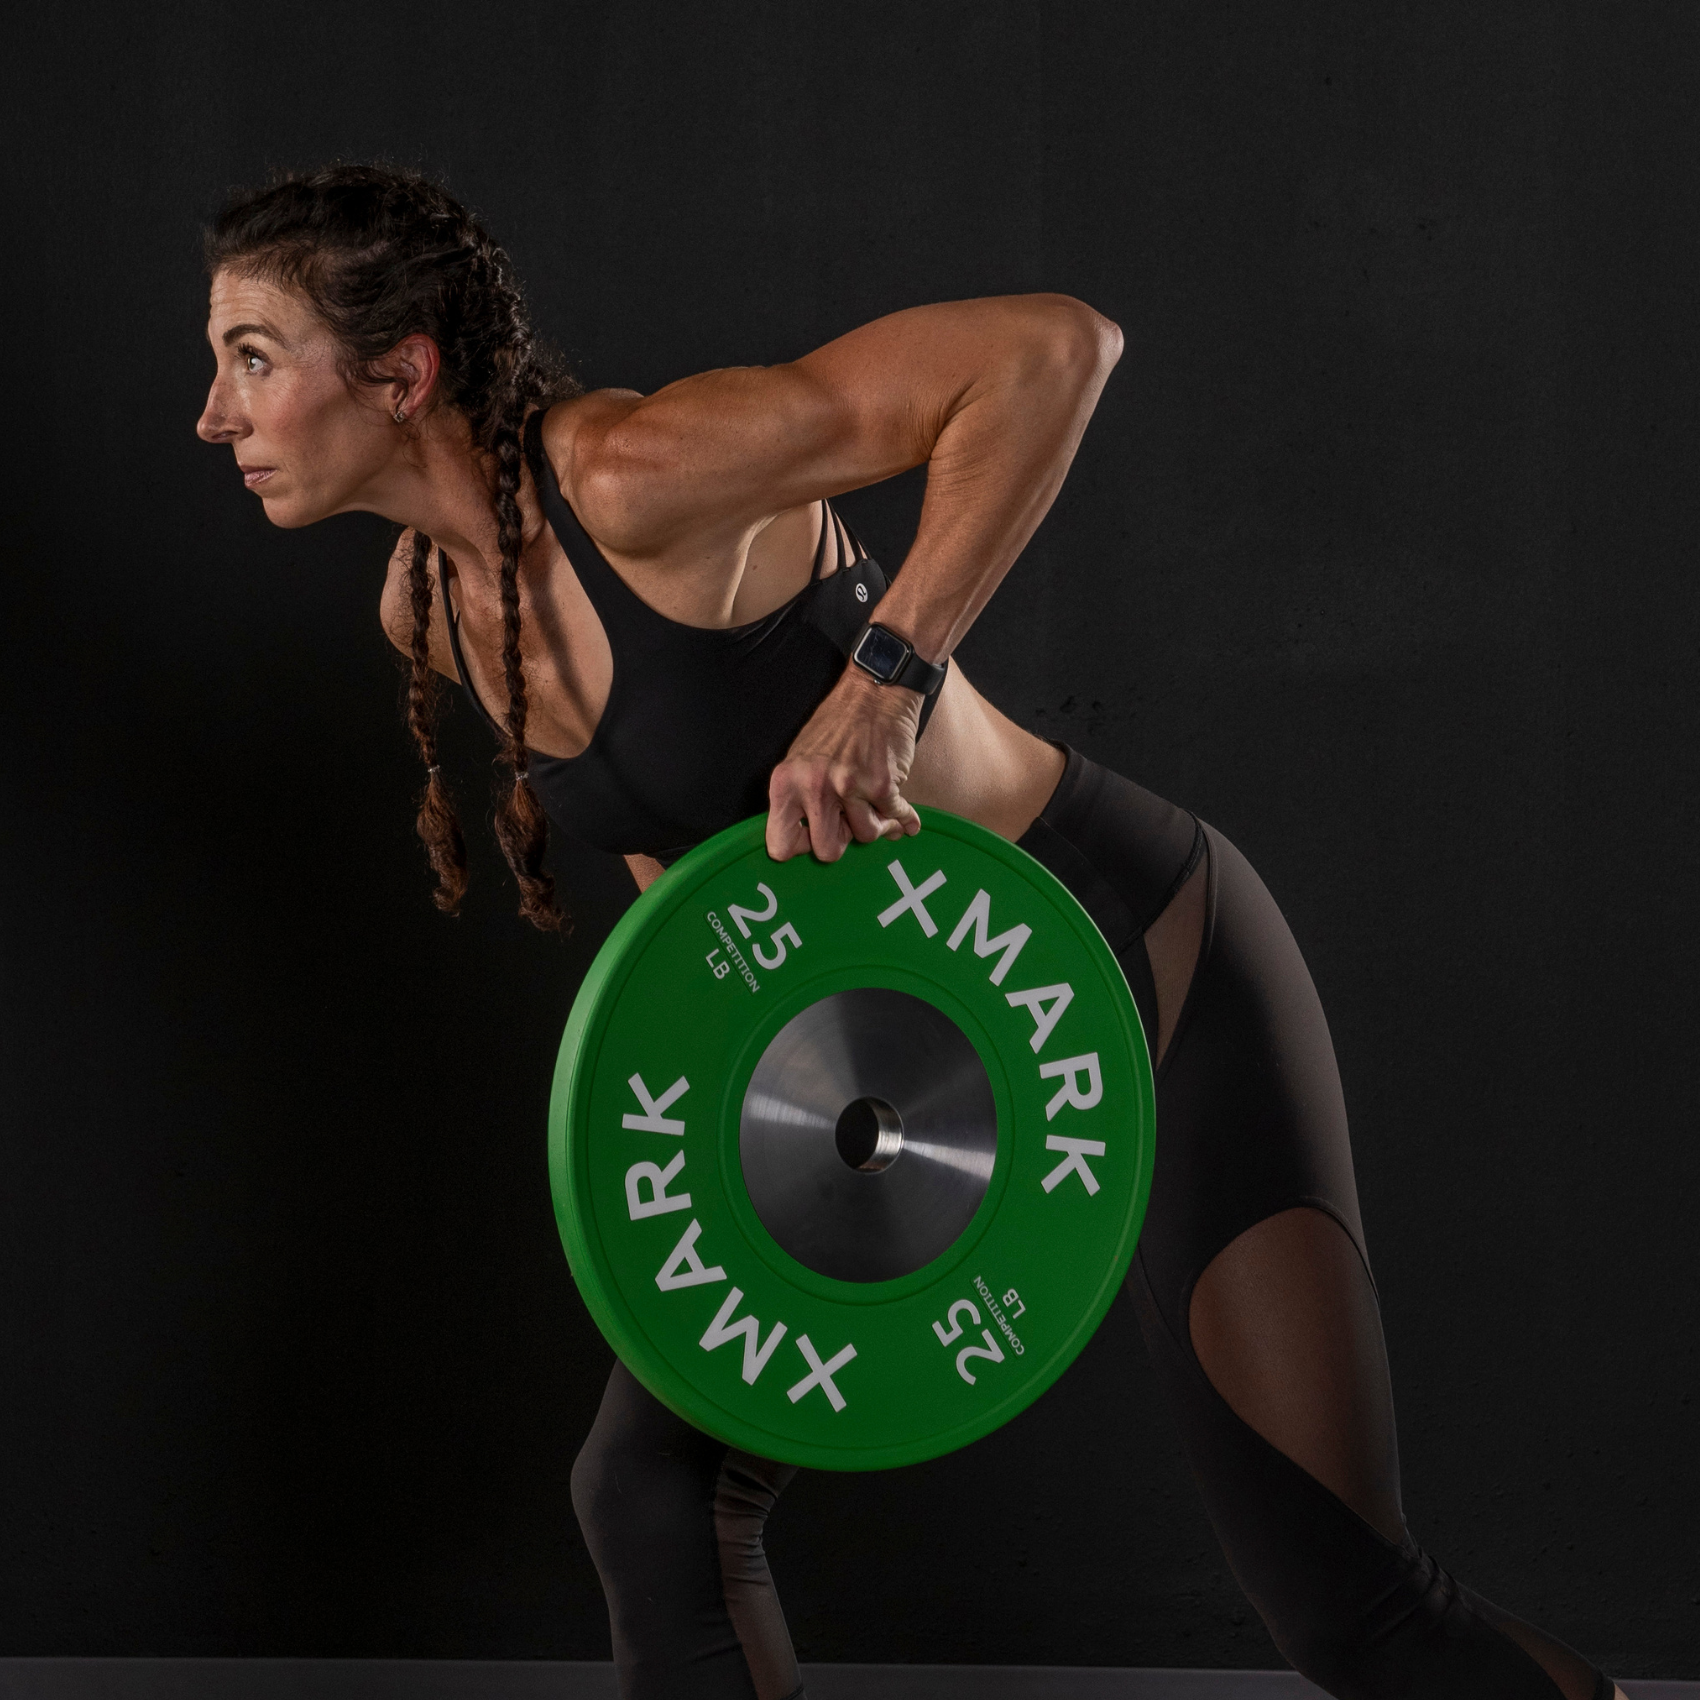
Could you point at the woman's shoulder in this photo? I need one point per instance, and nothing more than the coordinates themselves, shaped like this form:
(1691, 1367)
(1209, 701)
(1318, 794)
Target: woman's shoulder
(593, 460)
(694, 464)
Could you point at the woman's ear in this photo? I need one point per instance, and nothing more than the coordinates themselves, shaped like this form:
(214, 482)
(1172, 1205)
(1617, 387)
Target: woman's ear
(408, 375)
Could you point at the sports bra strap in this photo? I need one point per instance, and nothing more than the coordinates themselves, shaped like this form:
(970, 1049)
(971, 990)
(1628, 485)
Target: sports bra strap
(617, 605)
(826, 520)
(855, 542)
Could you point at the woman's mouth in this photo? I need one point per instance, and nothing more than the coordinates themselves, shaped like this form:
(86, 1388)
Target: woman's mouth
(254, 476)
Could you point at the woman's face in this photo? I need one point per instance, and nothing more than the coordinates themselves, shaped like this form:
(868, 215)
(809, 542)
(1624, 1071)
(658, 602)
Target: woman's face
(307, 442)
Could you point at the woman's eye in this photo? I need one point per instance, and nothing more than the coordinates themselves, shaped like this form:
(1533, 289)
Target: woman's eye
(253, 361)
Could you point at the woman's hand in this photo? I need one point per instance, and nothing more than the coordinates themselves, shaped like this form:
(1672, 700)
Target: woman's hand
(843, 777)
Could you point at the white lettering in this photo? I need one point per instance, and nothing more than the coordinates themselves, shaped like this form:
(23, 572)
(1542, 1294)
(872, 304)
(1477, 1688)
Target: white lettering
(978, 915)
(992, 1352)
(652, 1120)
(820, 1375)
(755, 1355)
(1073, 1072)
(950, 1316)
(998, 1316)
(1046, 1005)
(911, 898)
(658, 1203)
(785, 932)
(684, 1268)
(732, 951)
(1078, 1150)
(741, 917)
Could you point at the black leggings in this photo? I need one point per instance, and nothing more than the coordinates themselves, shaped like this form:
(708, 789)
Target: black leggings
(1251, 1134)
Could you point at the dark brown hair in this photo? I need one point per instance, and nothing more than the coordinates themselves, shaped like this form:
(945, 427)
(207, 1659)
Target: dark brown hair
(383, 254)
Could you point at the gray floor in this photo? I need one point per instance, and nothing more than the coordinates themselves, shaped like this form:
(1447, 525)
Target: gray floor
(451, 1679)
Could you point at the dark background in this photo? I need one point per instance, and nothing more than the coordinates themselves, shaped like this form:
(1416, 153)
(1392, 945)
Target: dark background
(1379, 555)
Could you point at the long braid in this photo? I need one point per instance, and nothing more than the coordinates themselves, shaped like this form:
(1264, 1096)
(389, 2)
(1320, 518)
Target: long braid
(437, 824)
(381, 255)
(521, 825)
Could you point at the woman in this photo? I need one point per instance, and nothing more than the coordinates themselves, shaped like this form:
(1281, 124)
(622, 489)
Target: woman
(655, 598)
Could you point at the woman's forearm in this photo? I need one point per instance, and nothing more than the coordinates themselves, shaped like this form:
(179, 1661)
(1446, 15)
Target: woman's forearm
(998, 460)
(994, 400)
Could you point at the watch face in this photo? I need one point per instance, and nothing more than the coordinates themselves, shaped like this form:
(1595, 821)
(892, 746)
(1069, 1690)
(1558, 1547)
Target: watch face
(880, 652)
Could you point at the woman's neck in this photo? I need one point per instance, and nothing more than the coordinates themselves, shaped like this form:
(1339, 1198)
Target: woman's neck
(439, 484)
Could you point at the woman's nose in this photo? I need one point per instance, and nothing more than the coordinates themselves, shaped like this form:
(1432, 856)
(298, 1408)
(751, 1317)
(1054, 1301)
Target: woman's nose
(216, 424)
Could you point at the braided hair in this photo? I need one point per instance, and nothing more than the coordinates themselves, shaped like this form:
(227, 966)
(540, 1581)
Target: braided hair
(383, 254)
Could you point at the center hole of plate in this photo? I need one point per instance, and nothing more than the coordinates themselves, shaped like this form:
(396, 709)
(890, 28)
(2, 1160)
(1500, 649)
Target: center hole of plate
(869, 1135)
(849, 1084)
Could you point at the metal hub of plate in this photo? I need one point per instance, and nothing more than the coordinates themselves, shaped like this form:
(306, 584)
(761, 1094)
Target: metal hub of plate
(868, 1135)
(849, 1159)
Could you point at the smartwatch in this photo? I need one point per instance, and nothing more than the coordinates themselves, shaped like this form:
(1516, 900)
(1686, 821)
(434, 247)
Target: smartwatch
(891, 661)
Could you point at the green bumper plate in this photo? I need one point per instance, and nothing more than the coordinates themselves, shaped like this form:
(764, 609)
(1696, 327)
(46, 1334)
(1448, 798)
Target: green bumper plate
(723, 954)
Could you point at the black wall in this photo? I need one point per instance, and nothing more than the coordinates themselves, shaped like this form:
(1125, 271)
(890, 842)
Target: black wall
(1379, 555)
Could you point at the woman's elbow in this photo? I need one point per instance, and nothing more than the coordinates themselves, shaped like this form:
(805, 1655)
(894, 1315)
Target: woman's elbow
(1079, 340)
(1109, 339)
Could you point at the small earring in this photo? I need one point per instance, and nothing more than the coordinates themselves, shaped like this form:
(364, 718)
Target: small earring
(399, 417)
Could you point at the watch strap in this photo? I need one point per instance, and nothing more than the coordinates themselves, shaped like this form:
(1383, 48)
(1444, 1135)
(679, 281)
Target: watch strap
(918, 675)
(913, 673)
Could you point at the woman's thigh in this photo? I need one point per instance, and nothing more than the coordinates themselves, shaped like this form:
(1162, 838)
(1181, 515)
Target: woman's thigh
(1252, 1252)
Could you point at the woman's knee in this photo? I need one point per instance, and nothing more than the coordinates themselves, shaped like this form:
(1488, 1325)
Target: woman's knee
(1284, 1323)
(644, 1482)
(746, 1491)
(595, 1492)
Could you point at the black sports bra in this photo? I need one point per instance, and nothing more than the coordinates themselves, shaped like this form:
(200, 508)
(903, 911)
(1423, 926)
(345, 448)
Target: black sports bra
(696, 718)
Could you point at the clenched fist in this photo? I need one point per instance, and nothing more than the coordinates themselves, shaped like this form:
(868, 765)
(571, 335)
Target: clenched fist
(843, 777)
